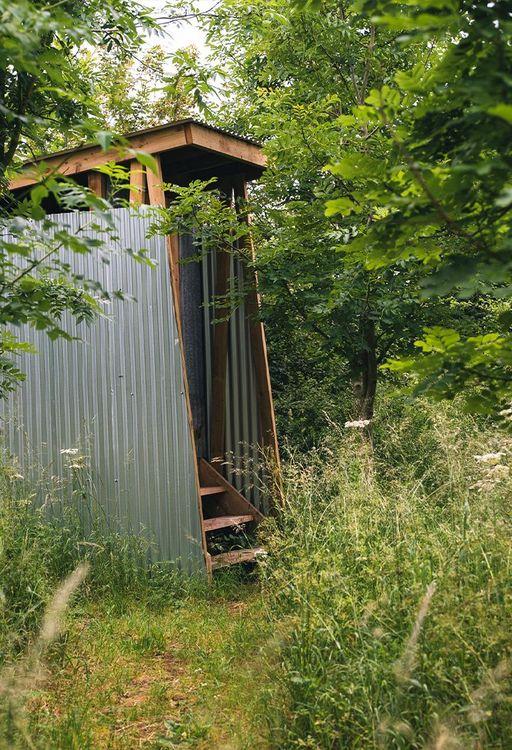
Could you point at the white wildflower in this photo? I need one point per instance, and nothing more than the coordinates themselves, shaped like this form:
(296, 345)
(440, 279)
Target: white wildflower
(359, 423)
(69, 451)
(79, 462)
(490, 458)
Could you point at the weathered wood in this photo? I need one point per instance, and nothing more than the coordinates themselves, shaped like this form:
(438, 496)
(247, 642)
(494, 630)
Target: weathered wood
(231, 502)
(220, 357)
(259, 351)
(155, 185)
(174, 250)
(225, 522)
(216, 490)
(153, 141)
(137, 182)
(237, 556)
(157, 197)
(223, 143)
(96, 184)
(83, 159)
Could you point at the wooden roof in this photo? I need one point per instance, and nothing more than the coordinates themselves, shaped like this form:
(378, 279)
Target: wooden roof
(178, 135)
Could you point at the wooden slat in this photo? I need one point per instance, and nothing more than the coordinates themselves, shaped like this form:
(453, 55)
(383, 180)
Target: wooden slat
(137, 182)
(87, 158)
(224, 522)
(174, 260)
(259, 351)
(220, 358)
(224, 144)
(236, 556)
(155, 185)
(96, 184)
(152, 141)
(211, 491)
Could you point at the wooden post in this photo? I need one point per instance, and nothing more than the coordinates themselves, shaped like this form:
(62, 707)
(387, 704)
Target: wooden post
(96, 184)
(174, 251)
(136, 182)
(259, 353)
(157, 198)
(155, 184)
(220, 356)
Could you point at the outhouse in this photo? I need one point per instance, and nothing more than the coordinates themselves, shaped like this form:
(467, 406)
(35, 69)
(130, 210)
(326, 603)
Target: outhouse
(168, 402)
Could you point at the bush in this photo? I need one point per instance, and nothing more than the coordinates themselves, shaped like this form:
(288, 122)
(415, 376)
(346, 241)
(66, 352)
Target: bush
(389, 580)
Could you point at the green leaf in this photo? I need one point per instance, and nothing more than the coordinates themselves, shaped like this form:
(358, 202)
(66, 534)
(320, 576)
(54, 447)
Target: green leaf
(147, 161)
(38, 193)
(438, 339)
(104, 138)
(343, 206)
(502, 110)
(353, 166)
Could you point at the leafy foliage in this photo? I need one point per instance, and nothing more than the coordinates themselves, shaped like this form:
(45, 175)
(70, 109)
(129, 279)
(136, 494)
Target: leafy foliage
(295, 79)
(41, 86)
(43, 89)
(135, 92)
(434, 176)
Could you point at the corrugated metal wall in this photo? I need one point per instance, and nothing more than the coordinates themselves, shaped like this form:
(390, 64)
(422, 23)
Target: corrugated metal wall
(242, 438)
(119, 397)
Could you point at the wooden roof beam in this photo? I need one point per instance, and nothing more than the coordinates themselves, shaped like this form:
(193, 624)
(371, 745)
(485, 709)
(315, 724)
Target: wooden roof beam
(153, 141)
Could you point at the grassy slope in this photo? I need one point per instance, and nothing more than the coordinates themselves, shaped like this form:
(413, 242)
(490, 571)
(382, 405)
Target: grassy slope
(128, 676)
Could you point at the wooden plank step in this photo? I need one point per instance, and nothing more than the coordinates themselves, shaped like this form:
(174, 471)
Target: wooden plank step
(236, 556)
(211, 491)
(222, 522)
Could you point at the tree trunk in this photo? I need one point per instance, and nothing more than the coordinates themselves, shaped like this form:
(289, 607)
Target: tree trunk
(368, 365)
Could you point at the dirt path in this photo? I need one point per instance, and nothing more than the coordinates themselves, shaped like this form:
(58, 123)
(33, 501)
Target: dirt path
(186, 676)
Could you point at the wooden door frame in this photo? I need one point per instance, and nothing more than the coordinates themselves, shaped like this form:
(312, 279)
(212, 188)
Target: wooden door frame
(157, 197)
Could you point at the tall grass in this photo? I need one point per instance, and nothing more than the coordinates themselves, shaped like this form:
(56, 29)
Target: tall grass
(43, 558)
(39, 549)
(389, 582)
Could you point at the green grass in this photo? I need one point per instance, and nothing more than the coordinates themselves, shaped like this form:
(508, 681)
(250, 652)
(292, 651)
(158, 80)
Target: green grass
(147, 657)
(130, 675)
(380, 620)
(390, 576)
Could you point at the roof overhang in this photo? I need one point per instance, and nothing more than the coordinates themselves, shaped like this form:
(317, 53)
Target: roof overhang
(186, 133)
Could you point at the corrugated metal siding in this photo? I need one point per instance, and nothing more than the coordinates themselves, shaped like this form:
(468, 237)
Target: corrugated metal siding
(119, 395)
(191, 308)
(242, 437)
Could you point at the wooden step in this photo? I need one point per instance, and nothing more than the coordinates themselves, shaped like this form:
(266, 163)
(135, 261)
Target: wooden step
(231, 501)
(236, 556)
(211, 491)
(222, 522)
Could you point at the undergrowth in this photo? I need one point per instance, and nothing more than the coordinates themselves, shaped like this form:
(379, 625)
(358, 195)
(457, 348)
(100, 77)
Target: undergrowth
(38, 550)
(389, 583)
(381, 620)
